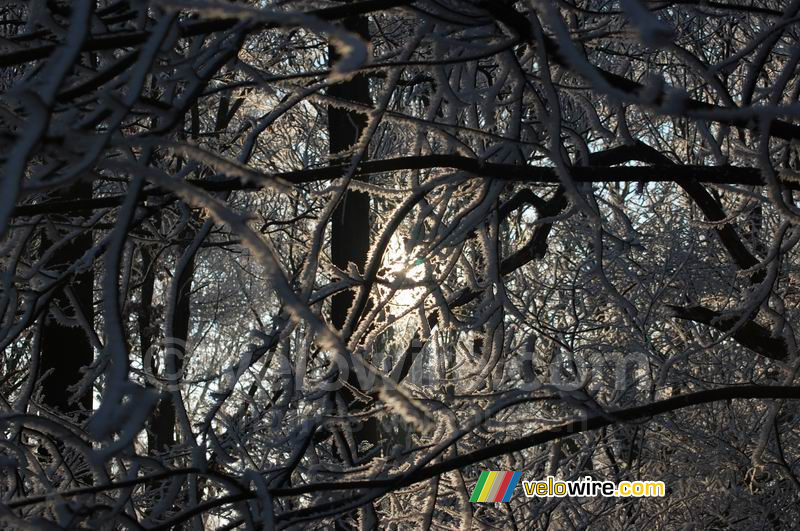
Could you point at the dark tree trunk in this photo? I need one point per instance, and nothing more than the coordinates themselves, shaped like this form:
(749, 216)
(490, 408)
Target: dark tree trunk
(161, 425)
(350, 224)
(350, 232)
(66, 350)
(163, 422)
(146, 332)
(350, 235)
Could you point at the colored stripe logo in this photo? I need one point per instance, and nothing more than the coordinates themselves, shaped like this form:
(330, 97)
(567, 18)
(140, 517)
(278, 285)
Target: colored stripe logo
(494, 486)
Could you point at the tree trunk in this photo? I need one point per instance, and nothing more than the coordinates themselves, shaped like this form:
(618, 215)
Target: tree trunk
(65, 350)
(350, 232)
(350, 236)
(161, 426)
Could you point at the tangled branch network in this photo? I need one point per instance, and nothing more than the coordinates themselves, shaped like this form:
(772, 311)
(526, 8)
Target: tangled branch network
(319, 264)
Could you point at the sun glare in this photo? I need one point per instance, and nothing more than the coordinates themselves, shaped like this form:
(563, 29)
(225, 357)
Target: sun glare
(406, 270)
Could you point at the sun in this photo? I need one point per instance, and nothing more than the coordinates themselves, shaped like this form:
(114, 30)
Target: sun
(405, 271)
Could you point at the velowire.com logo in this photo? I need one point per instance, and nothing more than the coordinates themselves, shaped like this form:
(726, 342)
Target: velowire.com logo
(498, 486)
(495, 486)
